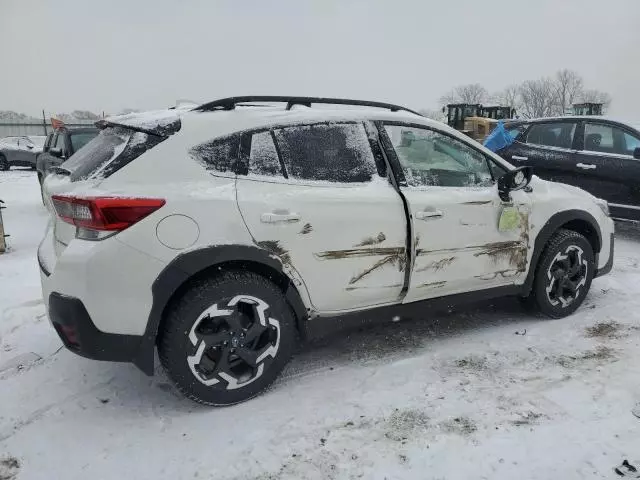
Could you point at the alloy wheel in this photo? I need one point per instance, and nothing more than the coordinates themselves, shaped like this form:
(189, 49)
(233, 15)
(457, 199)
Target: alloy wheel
(235, 341)
(566, 275)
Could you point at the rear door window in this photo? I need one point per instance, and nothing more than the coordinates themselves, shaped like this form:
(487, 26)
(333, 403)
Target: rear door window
(327, 152)
(602, 138)
(631, 142)
(263, 156)
(558, 135)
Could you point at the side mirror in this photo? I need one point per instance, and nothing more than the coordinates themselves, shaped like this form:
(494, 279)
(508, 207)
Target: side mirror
(56, 152)
(516, 179)
(636, 153)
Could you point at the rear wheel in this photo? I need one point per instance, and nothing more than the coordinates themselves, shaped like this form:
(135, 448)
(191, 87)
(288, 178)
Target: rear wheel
(227, 338)
(564, 274)
(4, 163)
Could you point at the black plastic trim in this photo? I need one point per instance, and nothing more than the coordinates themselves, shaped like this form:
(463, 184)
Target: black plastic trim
(549, 228)
(185, 266)
(91, 342)
(320, 327)
(609, 265)
(43, 269)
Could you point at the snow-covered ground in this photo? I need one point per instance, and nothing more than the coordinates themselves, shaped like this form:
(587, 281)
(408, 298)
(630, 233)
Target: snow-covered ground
(484, 392)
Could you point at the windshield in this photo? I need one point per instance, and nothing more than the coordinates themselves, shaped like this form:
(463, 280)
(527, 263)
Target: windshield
(80, 139)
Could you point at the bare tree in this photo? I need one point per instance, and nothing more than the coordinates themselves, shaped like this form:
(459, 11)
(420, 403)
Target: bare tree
(471, 93)
(539, 98)
(596, 96)
(509, 97)
(569, 86)
(433, 114)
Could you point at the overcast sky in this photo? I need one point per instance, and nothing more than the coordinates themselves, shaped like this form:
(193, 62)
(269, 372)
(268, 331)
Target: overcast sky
(108, 55)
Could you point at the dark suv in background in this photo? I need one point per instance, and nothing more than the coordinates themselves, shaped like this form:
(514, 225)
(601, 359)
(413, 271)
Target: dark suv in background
(599, 155)
(60, 145)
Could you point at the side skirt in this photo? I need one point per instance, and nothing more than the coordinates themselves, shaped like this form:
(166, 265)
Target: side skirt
(320, 327)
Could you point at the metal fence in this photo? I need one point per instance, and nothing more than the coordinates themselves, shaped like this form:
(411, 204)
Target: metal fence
(9, 128)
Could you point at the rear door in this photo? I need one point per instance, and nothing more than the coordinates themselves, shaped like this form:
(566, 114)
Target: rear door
(549, 148)
(605, 166)
(318, 198)
(455, 209)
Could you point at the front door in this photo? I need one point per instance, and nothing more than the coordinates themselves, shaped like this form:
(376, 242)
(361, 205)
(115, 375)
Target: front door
(605, 167)
(317, 198)
(455, 209)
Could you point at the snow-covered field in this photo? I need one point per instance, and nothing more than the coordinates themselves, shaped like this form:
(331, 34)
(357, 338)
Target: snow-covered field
(484, 392)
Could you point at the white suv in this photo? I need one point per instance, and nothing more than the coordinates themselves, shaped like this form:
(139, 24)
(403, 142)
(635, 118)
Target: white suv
(223, 234)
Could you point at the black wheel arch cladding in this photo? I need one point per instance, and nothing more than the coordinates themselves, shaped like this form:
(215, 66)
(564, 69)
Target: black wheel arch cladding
(190, 265)
(577, 220)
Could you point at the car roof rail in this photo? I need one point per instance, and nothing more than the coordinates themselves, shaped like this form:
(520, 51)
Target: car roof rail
(231, 103)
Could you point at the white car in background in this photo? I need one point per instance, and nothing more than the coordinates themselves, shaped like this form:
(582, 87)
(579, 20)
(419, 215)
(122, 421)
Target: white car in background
(20, 151)
(222, 234)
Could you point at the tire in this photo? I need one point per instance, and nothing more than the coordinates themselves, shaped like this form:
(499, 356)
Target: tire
(202, 340)
(4, 164)
(563, 275)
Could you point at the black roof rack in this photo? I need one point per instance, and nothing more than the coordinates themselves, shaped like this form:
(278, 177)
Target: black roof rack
(231, 102)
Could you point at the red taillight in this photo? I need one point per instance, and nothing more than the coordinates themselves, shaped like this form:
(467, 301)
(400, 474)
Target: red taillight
(104, 213)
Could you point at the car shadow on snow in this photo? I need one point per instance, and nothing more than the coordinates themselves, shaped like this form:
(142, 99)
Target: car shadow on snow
(628, 231)
(406, 337)
(128, 387)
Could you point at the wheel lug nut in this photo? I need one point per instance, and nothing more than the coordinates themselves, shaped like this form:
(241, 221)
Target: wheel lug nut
(233, 350)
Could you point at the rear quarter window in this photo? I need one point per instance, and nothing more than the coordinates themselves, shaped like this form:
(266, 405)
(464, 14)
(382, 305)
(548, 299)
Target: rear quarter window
(219, 154)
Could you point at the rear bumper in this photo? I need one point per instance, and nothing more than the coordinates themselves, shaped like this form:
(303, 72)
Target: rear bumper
(80, 335)
(609, 265)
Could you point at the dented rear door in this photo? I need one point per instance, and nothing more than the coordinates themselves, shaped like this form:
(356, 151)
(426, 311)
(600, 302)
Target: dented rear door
(455, 213)
(316, 198)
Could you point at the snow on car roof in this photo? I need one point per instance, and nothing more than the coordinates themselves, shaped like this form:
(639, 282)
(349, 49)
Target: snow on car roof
(153, 120)
(245, 117)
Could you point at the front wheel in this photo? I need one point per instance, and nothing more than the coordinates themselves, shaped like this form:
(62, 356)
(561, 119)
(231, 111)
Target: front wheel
(227, 338)
(4, 164)
(564, 274)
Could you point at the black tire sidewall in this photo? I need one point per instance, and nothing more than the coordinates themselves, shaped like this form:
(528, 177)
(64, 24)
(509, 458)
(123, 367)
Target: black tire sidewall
(4, 164)
(540, 288)
(175, 346)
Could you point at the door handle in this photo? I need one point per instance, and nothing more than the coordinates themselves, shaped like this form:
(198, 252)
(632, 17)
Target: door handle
(518, 157)
(586, 166)
(274, 217)
(428, 214)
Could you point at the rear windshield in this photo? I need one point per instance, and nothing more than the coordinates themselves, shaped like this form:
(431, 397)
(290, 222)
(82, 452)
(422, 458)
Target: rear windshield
(108, 152)
(79, 140)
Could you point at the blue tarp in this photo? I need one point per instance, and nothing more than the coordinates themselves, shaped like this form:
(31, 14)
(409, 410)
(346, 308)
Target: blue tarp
(498, 139)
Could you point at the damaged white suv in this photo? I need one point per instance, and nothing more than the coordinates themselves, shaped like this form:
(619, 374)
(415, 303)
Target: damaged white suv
(223, 234)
